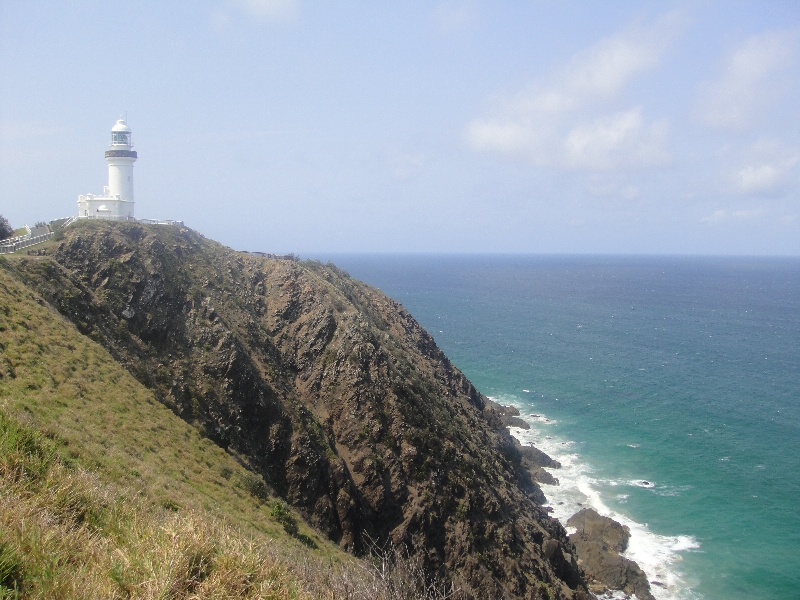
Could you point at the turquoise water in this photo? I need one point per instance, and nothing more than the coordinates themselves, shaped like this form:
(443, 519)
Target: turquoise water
(668, 387)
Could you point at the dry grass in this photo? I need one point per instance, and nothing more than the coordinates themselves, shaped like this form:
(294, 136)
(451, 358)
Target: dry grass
(67, 534)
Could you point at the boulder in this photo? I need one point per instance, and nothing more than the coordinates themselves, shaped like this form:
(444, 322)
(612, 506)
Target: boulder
(598, 543)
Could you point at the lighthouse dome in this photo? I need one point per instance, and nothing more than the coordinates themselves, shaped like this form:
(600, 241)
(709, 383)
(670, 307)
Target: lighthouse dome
(121, 126)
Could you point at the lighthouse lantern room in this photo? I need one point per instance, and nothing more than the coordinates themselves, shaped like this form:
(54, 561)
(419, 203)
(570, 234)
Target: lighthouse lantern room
(116, 203)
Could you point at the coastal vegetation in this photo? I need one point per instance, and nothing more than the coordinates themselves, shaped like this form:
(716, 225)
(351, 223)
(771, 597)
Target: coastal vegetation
(5, 228)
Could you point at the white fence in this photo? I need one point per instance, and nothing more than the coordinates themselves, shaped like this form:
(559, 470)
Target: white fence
(23, 242)
(160, 222)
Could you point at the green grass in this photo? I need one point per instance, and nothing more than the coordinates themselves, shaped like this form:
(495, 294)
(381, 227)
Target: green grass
(106, 420)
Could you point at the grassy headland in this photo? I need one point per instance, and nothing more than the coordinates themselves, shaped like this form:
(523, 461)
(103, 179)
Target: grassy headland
(201, 388)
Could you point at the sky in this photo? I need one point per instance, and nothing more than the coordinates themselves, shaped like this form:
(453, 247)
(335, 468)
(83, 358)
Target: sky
(550, 126)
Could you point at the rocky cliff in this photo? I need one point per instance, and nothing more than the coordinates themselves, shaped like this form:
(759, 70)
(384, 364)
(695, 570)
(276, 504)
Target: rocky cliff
(325, 387)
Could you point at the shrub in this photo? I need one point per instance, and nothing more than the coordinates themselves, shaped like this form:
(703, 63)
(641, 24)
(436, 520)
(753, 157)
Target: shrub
(280, 512)
(254, 485)
(5, 228)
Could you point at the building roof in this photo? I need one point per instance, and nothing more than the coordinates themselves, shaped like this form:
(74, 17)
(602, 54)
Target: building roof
(120, 125)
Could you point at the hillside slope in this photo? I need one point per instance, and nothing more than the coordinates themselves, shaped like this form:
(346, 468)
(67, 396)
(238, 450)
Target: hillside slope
(105, 493)
(323, 385)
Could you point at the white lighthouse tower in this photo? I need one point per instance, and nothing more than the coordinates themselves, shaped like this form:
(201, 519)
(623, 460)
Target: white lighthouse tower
(116, 203)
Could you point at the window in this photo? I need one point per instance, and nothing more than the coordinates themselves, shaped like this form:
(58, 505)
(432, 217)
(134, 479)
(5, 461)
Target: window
(120, 138)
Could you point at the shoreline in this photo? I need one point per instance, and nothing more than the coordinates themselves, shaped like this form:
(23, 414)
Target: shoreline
(574, 487)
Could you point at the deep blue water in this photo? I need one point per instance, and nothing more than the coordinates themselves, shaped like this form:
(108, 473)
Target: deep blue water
(668, 387)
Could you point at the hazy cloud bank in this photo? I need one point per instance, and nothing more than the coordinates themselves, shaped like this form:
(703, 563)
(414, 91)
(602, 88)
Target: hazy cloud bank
(749, 83)
(565, 121)
(270, 9)
(765, 169)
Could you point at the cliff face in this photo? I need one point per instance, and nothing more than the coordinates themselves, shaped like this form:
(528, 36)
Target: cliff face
(327, 388)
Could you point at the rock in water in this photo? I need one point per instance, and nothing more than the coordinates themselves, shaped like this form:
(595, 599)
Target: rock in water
(598, 543)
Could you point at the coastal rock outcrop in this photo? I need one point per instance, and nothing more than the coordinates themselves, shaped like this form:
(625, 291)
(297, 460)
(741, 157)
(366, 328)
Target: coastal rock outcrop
(599, 542)
(325, 388)
(509, 415)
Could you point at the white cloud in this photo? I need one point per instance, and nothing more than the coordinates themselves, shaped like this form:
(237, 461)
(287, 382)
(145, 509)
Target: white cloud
(405, 165)
(744, 215)
(614, 141)
(604, 69)
(612, 185)
(758, 179)
(18, 130)
(748, 82)
(764, 170)
(504, 136)
(270, 9)
(556, 122)
(455, 16)
(722, 216)
(716, 217)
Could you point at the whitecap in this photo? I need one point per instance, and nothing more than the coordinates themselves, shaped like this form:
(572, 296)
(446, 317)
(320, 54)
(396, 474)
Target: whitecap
(667, 490)
(658, 555)
(615, 595)
(642, 483)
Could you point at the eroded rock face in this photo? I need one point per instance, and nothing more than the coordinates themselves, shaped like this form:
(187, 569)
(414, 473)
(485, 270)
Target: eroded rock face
(598, 542)
(328, 389)
(532, 460)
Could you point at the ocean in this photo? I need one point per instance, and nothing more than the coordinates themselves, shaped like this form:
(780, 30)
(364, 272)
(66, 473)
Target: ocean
(668, 387)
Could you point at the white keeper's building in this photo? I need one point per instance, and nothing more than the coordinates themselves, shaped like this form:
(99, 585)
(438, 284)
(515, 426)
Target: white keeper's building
(116, 203)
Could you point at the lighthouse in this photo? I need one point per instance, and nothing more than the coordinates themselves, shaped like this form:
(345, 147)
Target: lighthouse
(116, 203)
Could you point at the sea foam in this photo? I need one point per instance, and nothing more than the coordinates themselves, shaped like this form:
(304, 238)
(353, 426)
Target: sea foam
(659, 556)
